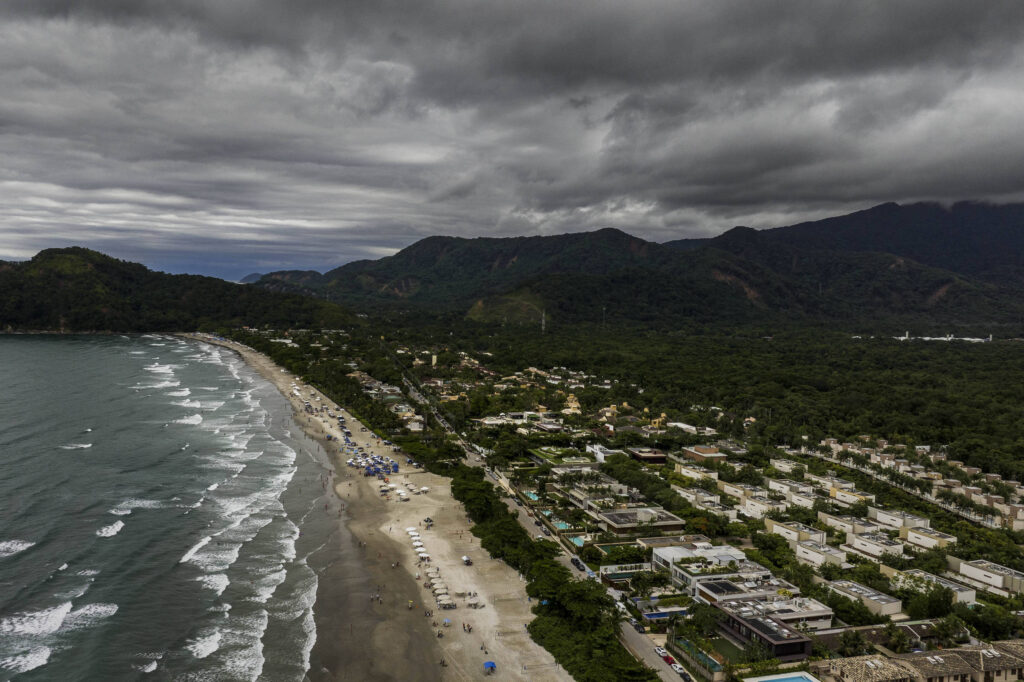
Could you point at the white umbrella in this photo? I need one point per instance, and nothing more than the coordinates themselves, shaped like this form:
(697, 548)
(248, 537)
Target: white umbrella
(417, 544)
(410, 529)
(392, 486)
(425, 489)
(412, 533)
(424, 555)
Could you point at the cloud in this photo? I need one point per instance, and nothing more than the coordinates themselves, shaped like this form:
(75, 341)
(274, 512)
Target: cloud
(306, 134)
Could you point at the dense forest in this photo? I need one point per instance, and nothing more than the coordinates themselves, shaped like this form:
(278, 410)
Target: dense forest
(76, 289)
(921, 264)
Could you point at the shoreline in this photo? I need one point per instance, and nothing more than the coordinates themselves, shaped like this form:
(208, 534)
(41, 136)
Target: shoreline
(353, 642)
(371, 548)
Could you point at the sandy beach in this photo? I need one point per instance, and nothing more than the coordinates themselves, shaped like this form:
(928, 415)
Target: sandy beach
(362, 637)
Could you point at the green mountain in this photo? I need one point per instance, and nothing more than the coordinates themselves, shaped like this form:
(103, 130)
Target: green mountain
(742, 276)
(75, 289)
(982, 241)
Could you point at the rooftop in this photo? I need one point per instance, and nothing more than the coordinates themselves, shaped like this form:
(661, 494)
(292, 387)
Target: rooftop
(872, 668)
(858, 591)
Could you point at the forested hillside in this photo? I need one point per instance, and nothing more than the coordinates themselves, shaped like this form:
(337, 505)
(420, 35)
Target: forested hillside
(76, 289)
(889, 266)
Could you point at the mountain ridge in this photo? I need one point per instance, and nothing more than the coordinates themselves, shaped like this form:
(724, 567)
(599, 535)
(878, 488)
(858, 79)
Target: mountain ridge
(796, 273)
(75, 289)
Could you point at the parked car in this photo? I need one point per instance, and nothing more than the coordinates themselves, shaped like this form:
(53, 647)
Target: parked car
(661, 652)
(680, 670)
(668, 659)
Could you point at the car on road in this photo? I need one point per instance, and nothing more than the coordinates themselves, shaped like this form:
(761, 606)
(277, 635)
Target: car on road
(668, 659)
(681, 670)
(546, 532)
(575, 561)
(661, 652)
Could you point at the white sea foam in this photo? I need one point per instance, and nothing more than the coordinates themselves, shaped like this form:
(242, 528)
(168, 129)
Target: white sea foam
(88, 572)
(267, 584)
(26, 660)
(194, 420)
(111, 530)
(212, 404)
(218, 582)
(125, 508)
(187, 403)
(12, 547)
(63, 567)
(204, 645)
(157, 368)
(180, 393)
(243, 643)
(207, 388)
(76, 446)
(88, 616)
(195, 548)
(147, 668)
(213, 486)
(34, 623)
(159, 384)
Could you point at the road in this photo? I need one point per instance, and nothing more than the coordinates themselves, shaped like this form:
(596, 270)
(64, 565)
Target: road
(640, 645)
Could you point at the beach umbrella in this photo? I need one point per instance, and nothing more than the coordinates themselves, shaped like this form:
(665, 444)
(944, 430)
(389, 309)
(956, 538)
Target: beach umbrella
(410, 529)
(425, 489)
(490, 665)
(447, 621)
(417, 544)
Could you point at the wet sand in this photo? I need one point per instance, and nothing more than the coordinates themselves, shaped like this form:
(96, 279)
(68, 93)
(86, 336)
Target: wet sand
(359, 638)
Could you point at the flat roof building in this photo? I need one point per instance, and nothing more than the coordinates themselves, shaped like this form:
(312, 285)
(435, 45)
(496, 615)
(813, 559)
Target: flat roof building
(694, 471)
(629, 520)
(872, 545)
(748, 622)
(896, 519)
(918, 579)
(926, 538)
(794, 531)
(988, 576)
(878, 603)
(818, 554)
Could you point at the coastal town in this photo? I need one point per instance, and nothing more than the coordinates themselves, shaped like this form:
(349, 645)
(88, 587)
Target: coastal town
(835, 560)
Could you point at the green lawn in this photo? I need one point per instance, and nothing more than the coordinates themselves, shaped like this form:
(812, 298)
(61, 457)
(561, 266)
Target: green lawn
(732, 653)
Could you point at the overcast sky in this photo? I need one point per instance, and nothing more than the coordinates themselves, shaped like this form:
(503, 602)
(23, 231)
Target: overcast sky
(229, 136)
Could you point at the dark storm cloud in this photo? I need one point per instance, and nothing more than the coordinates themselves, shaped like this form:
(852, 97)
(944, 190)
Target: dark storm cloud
(309, 133)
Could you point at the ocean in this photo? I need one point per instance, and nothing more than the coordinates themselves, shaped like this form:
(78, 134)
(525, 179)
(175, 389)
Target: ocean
(160, 514)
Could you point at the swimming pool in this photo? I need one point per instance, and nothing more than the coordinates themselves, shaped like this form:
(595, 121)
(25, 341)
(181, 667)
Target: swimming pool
(783, 677)
(532, 496)
(578, 541)
(562, 525)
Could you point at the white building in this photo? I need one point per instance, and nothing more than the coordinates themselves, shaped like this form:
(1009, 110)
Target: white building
(817, 554)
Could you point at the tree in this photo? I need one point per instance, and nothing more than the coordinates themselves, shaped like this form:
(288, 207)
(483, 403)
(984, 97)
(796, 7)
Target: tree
(896, 638)
(852, 643)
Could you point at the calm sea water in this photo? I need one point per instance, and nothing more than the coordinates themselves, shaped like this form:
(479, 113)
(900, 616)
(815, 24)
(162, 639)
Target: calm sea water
(159, 512)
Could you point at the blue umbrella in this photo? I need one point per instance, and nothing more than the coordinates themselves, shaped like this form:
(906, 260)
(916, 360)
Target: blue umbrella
(490, 664)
